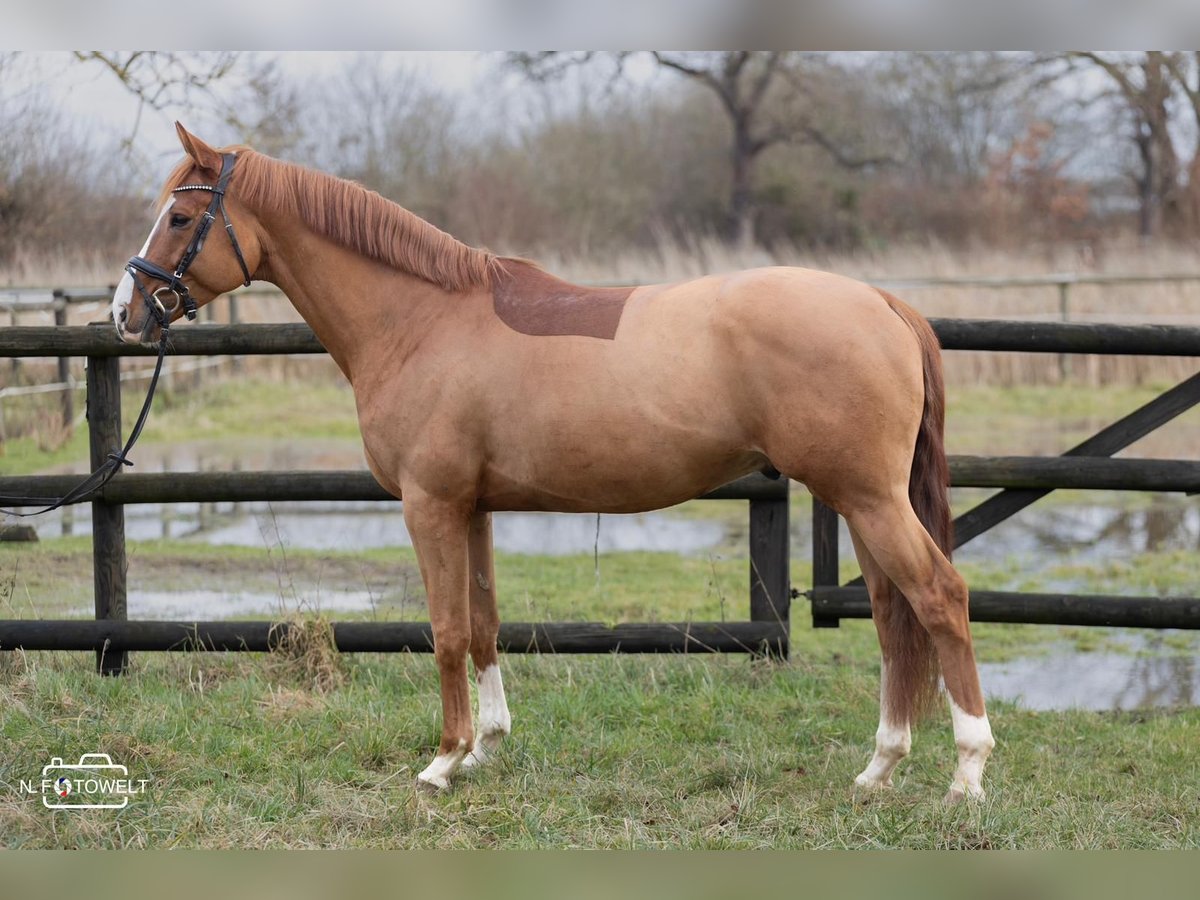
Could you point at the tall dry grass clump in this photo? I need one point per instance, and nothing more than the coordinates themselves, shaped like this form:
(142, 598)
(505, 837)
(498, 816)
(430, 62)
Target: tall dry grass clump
(305, 653)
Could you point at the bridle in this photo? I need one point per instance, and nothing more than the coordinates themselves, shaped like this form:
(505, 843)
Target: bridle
(162, 315)
(174, 280)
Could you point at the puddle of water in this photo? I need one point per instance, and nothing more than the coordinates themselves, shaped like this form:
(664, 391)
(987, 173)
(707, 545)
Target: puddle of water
(1067, 678)
(1043, 537)
(1093, 533)
(325, 526)
(553, 534)
(245, 454)
(207, 605)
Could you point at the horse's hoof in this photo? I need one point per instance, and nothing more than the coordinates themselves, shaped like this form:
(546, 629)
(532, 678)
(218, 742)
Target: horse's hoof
(432, 785)
(960, 792)
(485, 748)
(475, 758)
(871, 785)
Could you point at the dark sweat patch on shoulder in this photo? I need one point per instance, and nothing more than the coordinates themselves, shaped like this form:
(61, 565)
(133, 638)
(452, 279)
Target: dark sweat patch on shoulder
(534, 302)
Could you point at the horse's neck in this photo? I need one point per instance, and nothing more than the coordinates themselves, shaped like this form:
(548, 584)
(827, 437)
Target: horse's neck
(351, 303)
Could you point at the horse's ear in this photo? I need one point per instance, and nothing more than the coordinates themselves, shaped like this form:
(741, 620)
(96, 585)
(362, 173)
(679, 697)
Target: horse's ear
(201, 153)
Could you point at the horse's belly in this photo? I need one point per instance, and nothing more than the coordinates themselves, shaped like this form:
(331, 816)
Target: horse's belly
(611, 469)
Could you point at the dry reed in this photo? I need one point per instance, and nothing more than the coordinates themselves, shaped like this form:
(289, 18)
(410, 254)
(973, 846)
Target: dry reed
(671, 260)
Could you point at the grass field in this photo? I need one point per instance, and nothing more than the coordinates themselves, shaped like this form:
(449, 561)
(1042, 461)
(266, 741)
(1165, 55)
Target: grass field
(251, 751)
(606, 751)
(612, 751)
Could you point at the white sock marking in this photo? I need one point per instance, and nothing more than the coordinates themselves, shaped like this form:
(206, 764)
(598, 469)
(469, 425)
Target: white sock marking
(892, 743)
(123, 295)
(973, 736)
(438, 772)
(494, 719)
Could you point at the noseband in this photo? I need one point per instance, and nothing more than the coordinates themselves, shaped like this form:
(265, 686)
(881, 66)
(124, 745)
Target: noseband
(174, 281)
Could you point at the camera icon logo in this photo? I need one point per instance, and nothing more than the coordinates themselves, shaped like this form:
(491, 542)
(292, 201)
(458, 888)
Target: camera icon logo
(95, 782)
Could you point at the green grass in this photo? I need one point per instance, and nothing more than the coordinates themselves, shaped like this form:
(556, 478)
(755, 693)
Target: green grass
(609, 751)
(1039, 420)
(293, 410)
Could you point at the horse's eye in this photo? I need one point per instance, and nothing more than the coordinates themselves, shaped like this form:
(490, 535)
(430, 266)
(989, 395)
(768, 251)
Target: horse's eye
(179, 221)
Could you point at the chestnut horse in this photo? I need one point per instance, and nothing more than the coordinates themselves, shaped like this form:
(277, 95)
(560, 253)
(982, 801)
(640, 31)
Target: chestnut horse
(484, 383)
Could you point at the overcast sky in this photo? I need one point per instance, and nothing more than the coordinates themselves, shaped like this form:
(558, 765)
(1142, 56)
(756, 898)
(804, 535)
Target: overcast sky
(99, 101)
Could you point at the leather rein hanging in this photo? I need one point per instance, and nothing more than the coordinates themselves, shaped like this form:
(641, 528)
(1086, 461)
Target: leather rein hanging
(162, 315)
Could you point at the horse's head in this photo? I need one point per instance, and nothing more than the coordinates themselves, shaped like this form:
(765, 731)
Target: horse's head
(187, 260)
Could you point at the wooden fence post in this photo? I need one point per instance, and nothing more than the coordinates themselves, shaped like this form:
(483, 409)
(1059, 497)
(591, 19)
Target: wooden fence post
(235, 362)
(108, 519)
(770, 581)
(1064, 313)
(825, 556)
(64, 364)
(15, 318)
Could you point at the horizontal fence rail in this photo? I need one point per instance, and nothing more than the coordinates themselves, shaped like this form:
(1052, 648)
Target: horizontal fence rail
(238, 487)
(852, 602)
(112, 637)
(1052, 279)
(258, 340)
(1084, 473)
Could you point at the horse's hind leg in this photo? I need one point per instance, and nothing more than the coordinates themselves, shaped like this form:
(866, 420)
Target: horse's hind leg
(893, 536)
(439, 533)
(494, 720)
(893, 738)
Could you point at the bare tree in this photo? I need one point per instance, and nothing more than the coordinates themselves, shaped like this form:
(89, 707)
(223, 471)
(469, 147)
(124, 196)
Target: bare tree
(376, 120)
(954, 109)
(1143, 84)
(267, 111)
(1184, 68)
(765, 96)
(165, 79)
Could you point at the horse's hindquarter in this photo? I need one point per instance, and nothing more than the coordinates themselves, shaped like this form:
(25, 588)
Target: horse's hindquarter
(832, 376)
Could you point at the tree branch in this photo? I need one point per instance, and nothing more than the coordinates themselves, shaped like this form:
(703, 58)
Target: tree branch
(844, 160)
(728, 99)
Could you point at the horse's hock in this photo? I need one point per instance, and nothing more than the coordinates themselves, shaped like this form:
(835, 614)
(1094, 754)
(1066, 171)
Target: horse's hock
(1021, 480)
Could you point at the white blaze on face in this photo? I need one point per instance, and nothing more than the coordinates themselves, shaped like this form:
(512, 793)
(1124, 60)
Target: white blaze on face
(123, 296)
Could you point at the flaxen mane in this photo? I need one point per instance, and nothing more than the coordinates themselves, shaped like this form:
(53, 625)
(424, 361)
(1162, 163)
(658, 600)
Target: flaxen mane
(354, 217)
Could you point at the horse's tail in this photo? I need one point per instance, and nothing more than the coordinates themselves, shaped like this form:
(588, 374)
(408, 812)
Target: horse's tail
(912, 674)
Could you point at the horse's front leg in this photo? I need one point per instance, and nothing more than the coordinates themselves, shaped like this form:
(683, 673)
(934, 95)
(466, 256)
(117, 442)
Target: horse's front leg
(438, 528)
(494, 720)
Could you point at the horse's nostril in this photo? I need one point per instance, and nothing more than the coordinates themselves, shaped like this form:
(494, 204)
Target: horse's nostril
(123, 314)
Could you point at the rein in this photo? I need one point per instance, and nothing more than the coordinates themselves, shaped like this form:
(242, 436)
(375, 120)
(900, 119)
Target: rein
(107, 470)
(162, 315)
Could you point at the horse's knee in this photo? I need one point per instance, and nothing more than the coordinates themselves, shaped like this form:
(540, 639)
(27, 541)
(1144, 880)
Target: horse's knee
(450, 649)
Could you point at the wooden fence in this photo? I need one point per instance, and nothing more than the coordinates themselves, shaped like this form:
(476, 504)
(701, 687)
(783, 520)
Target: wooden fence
(1022, 480)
